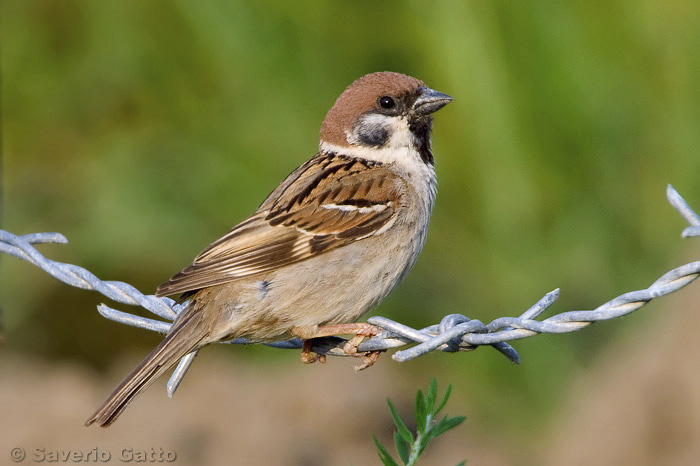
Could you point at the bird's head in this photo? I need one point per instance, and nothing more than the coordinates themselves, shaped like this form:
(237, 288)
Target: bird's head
(380, 115)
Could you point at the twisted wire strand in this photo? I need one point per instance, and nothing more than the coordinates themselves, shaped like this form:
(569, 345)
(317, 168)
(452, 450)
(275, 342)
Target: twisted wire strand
(455, 332)
(21, 248)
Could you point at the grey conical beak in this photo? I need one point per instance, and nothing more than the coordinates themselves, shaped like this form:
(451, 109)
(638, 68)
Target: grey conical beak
(430, 101)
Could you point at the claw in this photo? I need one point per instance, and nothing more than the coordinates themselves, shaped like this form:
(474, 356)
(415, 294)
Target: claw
(370, 358)
(308, 356)
(361, 332)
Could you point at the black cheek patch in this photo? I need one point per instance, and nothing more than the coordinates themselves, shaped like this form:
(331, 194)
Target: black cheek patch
(372, 135)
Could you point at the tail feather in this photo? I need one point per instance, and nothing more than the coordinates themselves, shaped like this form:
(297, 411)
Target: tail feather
(186, 335)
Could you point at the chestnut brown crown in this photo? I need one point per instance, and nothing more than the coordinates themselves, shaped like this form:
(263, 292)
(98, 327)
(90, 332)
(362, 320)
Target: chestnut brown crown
(361, 97)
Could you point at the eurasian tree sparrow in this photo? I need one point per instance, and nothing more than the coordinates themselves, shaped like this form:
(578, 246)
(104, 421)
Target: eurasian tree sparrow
(324, 248)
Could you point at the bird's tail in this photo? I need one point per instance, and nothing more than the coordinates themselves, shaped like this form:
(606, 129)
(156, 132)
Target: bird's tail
(186, 335)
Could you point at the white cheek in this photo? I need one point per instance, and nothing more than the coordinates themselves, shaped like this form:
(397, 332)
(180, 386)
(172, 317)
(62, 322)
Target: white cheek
(400, 135)
(396, 127)
(399, 147)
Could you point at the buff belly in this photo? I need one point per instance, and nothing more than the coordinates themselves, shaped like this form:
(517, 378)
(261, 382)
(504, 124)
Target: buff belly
(266, 307)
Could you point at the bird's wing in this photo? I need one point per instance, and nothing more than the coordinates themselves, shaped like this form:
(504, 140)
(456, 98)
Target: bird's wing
(326, 203)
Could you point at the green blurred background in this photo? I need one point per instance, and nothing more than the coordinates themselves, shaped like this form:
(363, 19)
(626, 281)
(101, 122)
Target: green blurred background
(144, 130)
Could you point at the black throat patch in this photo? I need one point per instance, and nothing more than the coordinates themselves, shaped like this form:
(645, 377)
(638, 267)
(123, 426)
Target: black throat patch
(421, 127)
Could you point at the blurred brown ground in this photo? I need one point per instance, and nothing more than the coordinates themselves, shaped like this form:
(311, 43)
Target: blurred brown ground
(639, 403)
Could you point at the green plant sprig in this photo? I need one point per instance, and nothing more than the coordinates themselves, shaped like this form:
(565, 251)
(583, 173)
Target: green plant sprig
(408, 446)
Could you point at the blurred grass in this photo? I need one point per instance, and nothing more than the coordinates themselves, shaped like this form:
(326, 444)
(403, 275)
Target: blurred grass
(144, 130)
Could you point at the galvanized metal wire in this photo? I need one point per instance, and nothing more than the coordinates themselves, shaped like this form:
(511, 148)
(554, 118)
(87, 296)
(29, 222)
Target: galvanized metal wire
(455, 332)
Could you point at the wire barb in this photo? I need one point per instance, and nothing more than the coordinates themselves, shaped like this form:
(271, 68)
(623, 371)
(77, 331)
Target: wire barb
(455, 332)
(686, 212)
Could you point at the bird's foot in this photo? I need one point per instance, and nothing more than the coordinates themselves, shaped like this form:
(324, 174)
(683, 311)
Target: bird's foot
(308, 356)
(361, 330)
(370, 358)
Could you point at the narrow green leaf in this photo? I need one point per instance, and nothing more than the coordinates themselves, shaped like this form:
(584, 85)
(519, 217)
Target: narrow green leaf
(400, 425)
(421, 412)
(384, 454)
(445, 424)
(462, 463)
(431, 395)
(401, 447)
(445, 397)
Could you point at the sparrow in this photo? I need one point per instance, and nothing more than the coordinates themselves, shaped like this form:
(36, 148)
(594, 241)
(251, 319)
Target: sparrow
(325, 247)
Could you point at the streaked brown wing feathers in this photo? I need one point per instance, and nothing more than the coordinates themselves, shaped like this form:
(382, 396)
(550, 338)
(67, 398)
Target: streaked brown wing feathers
(327, 202)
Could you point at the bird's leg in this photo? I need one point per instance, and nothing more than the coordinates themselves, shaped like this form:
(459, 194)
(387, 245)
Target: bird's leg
(308, 356)
(361, 330)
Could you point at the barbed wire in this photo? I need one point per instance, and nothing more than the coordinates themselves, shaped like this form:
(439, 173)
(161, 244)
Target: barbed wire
(455, 332)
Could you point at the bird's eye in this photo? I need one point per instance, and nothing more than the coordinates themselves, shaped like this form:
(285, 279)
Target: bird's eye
(386, 102)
